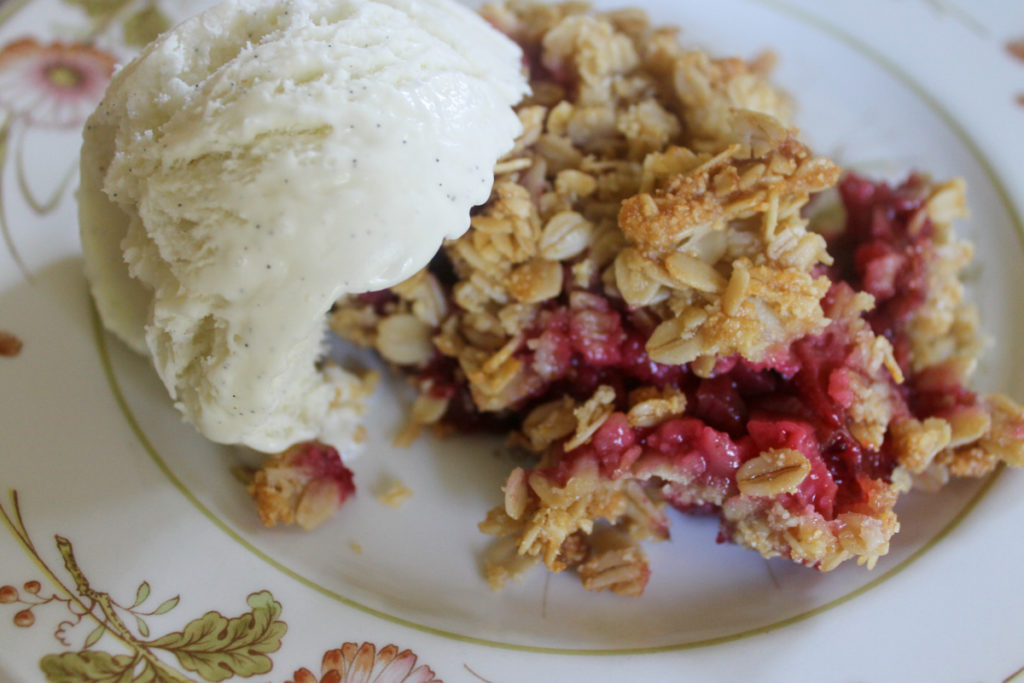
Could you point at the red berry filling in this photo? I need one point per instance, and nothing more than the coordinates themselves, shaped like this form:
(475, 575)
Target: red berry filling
(320, 462)
(797, 398)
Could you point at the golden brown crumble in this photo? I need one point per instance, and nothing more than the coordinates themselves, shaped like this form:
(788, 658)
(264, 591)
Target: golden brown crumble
(674, 182)
(614, 562)
(285, 496)
(393, 493)
(771, 472)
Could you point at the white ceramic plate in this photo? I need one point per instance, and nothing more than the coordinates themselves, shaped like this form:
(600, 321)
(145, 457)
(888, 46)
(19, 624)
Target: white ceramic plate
(118, 502)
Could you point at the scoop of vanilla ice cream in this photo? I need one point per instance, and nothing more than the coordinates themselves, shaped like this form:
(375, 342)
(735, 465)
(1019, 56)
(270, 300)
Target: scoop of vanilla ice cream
(264, 158)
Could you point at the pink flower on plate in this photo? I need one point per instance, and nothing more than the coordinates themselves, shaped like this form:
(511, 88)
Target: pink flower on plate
(53, 85)
(364, 664)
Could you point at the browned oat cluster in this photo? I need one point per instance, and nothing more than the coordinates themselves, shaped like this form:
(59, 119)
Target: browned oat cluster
(644, 304)
(307, 483)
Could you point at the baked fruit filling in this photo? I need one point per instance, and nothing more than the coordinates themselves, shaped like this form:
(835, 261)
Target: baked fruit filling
(646, 304)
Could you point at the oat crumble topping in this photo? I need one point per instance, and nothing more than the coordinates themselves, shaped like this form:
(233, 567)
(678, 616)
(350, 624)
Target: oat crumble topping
(644, 304)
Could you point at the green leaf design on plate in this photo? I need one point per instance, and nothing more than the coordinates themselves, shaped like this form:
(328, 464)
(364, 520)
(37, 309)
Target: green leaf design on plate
(217, 648)
(167, 605)
(94, 635)
(145, 25)
(76, 667)
(213, 646)
(99, 8)
(143, 627)
(161, 674)
(141, 594)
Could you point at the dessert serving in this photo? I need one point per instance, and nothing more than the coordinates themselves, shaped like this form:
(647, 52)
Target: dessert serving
(646, 305)
(654, 298)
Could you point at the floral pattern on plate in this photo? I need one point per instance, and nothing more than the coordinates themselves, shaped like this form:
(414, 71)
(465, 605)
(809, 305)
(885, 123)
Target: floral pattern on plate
(355, 663)
(213, 647)
(53, 85)
(56, 85)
